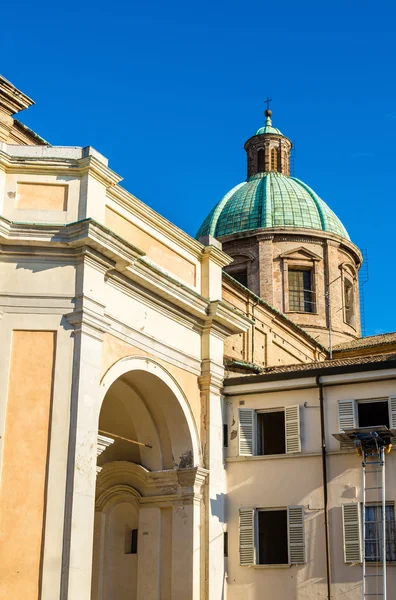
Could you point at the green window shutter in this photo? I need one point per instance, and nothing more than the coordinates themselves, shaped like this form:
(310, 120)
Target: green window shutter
(247, 553)
(352, 532)
(292, 429)
(295, 526)
(247, 431)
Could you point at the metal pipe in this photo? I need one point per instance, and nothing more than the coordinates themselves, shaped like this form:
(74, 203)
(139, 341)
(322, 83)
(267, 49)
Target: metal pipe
(123, 438)
(325, 485)
(363, 532)
(382, 458)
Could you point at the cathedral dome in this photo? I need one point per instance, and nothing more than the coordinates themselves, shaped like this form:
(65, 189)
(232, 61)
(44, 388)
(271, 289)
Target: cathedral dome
(270, 199)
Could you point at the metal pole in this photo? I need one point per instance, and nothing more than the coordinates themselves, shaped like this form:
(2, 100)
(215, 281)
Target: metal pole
(383, 521)
(364, 525)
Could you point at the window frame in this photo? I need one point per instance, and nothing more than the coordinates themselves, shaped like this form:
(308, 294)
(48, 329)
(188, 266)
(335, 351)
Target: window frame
(311, 291)
(299, 264)
(257, 536)
(379, 506)
(259, 442)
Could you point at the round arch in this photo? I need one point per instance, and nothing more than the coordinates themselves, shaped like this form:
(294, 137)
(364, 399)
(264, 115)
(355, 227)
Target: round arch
(148, 365)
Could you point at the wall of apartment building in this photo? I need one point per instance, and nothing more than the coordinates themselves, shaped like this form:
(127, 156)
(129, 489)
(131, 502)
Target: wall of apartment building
(279, 481)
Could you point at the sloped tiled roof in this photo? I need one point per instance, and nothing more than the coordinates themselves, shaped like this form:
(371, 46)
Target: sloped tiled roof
(367, 342)
(324, 367)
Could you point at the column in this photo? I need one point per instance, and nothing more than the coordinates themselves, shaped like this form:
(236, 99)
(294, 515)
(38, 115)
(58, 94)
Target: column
(89, 326)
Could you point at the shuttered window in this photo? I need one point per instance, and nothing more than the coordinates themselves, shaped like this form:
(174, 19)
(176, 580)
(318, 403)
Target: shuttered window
(292, 429)
(247, 554)
(295, 521)
(351, 526)
(270, 537)
(346, 414)
(269, 432)
(392, 412)
(247, 431)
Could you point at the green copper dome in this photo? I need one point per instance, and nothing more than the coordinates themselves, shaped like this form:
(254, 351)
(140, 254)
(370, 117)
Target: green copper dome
(270, 200)
(268, 129)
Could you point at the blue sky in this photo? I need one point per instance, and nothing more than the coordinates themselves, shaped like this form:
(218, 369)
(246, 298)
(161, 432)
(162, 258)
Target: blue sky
(170, 92)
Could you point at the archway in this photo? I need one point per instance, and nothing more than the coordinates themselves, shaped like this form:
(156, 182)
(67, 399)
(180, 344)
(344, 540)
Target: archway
(148, 487)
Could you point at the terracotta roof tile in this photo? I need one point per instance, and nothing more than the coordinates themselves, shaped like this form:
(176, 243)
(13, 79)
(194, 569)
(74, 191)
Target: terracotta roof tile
(366, 342)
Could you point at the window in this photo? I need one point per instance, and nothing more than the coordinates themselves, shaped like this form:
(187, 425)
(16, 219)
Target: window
(240, 276)
(372, 413)
(271, 437)
(367, 413)
(131, 541)
(274, 159)
(260, 161)
(349, 302)
(269, 432)
(301, 294)
(271, 536)
(373, 533)
(352, 530)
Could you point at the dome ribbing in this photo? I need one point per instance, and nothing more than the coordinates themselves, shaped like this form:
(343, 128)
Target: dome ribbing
(270, 199)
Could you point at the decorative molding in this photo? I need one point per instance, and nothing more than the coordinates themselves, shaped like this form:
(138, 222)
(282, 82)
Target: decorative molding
(103, 443)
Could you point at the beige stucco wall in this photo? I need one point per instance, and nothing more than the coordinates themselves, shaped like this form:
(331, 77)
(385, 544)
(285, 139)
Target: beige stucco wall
(25, 455)
(279, 481)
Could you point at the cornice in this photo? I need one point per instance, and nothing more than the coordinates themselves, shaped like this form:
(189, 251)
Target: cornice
(128, 201)
(43, 164)
(220, 258)
(171, 483)
(124, 263)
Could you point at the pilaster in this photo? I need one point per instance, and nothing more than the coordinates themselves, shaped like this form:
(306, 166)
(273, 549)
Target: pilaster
(90, 325)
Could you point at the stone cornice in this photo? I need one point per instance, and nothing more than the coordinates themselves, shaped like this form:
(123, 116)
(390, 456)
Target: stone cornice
(12, 100)
(121, 261)
(57, 160)
(135, 206)
(296, 235)
(151, 484)
(219, 257)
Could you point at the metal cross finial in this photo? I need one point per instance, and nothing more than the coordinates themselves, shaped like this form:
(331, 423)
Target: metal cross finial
(267, 102)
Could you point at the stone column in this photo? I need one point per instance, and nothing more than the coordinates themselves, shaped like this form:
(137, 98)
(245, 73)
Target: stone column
(89, 326)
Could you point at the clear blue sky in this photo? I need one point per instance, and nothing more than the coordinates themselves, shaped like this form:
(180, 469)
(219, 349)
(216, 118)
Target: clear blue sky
(170, 91)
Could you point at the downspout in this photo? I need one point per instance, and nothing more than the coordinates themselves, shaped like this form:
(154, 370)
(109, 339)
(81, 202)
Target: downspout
(325, 485)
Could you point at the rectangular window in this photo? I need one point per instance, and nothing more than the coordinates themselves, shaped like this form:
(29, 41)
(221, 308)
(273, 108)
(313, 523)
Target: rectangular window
(373, 533)
(272, 534)
(134, 541)
(241, 276)
(271, 435)
(301, 294)
(371, 414)
(271, 537)
(225, 435)
(269, 432)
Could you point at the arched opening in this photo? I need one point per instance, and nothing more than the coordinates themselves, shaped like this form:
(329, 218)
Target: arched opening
(274, 159)
(260, 161)
(147, 445)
